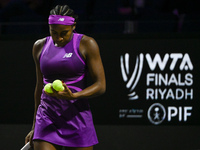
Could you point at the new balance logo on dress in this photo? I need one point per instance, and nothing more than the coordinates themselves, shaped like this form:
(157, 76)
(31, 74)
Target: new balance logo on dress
(68, 55)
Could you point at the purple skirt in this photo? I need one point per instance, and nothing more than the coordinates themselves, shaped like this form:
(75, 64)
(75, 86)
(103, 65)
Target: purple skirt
(65, 123)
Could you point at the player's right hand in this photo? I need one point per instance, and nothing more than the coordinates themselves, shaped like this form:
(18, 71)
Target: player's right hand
(29, 138)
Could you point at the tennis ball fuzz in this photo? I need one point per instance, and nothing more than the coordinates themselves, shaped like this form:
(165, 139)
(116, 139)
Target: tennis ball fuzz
(57, 85)
(47, 88)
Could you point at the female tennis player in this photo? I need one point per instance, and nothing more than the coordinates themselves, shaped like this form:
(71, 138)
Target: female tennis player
(64, 119)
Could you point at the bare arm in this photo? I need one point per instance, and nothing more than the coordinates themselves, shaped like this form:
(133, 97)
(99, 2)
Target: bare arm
(39, 78)
(90, 51)
(37, 47)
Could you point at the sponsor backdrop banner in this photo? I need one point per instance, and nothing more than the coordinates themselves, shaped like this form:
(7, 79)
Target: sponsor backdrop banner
(150, 82)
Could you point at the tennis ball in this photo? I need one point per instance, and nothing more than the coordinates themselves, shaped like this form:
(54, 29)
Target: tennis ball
(57, 85)
(47, 88)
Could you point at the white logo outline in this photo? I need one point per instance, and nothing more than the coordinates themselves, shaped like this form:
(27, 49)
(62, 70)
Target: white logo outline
(68, 55)
(132, 82)
(61, 19)
(151, 119)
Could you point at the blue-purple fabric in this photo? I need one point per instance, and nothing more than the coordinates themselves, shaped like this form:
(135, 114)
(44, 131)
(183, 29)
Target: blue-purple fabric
(67, 123)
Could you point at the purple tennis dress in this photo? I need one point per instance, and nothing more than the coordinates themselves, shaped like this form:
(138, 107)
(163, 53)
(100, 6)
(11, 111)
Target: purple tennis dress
(64, 122)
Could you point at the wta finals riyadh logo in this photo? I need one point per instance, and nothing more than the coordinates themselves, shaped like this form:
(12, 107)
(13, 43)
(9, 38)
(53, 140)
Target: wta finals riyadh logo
(131, 79)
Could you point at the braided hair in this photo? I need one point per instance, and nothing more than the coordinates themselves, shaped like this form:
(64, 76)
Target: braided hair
(64, 10)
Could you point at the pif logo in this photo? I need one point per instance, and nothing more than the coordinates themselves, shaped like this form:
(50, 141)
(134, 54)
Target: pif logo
(157, 113)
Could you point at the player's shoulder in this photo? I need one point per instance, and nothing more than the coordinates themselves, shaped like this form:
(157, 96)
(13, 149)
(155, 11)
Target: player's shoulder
(88, 41)
(37, 47)
(39, 43)
(88, 46)
(86, 38)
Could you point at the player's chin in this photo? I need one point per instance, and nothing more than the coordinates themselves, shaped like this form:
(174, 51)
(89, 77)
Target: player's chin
(59, 44)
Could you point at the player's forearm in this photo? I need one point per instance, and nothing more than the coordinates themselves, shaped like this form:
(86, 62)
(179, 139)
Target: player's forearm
(37, 96)
(94, 90)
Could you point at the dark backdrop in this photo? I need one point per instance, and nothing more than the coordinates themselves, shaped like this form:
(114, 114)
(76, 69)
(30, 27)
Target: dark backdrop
(114, 107)
(120, 123)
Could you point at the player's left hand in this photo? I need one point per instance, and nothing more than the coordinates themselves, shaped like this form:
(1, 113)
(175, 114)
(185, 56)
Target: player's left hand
(66, 94)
